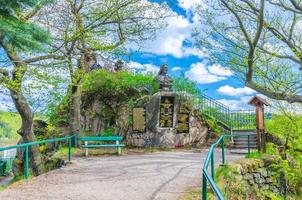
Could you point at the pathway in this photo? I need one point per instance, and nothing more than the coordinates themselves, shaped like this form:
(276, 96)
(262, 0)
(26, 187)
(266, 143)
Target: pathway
(160, 176)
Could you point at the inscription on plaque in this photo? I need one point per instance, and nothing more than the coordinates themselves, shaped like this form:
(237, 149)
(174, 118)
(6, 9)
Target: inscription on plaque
(139, 120)
(183, 119)
(166, 112)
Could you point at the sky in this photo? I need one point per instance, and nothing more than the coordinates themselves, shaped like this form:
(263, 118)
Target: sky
(174, 45)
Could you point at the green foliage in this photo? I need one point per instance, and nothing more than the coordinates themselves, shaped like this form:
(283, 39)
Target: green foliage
(59, 115)
(108, 132)
(18, 32)
(254, 154)
(213, 124)
(5, 130)
(11, 123)
(116, 93)
(119, 84)
(287, 127)
(183, 84)
(229, 183)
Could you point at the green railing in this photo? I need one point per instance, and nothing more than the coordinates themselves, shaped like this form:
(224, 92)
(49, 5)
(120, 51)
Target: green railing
(243, 120)
(206, 177)
(27, 145)
(229, 119)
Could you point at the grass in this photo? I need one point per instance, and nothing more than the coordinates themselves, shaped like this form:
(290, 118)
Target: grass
(63, 152)
(13, 120)
(192, 194)
(254, 154)
(222, 171)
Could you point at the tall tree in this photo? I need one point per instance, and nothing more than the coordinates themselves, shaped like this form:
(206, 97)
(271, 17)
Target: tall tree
(86, 29)
(19, 38)
(260, 40)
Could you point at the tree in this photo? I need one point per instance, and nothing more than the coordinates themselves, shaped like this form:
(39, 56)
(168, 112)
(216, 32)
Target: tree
(86, 29)
(260, 40)
(19, 38)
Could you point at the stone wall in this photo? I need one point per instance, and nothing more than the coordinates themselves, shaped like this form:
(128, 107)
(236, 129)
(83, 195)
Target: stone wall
(94, 121)
(257, 173)
(158, 136)
(251, 179)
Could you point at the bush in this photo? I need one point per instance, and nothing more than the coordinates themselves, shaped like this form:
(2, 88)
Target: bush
(288, 128)
(120, 84)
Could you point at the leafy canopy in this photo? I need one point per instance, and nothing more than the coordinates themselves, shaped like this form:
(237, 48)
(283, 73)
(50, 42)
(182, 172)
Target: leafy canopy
(16, 29)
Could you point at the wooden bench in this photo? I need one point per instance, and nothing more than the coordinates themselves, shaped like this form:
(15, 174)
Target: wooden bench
(116, 139)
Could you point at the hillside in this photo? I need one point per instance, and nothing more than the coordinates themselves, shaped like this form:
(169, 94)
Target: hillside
(10, 123)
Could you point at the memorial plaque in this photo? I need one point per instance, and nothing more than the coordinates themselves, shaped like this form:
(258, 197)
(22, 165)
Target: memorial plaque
(139, 120)
(183, 119)
(166, 112)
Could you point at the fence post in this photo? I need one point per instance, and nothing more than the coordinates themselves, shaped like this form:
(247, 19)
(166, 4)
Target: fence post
(212, 165)
(26, 162)
(69, 148)
(222, 149)
(204, 187)
(248, 146)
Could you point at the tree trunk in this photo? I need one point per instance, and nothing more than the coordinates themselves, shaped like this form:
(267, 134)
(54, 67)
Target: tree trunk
(26, 131)
(75, 109)
(86, 60)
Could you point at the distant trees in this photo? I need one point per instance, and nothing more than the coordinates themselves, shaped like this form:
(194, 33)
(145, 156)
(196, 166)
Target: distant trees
(4, 129)
(261, 42)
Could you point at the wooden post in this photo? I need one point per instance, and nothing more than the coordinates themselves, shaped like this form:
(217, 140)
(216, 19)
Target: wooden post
(86, 149)
(259, 103)
(119, 150)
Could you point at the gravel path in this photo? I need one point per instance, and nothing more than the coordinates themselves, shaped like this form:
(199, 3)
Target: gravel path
(160, 176)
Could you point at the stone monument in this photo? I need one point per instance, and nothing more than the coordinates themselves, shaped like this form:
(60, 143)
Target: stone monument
(165, 119)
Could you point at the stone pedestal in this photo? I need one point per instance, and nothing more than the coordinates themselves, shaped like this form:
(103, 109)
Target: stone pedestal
(169, 122)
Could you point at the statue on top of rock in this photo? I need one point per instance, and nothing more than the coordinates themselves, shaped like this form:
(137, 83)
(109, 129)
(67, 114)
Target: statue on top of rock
(165, 82)
(118, 65)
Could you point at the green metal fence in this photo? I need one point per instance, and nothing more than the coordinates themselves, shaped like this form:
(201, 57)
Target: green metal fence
(243, 120)
(230, 119)
(206, 177)
(27, 145)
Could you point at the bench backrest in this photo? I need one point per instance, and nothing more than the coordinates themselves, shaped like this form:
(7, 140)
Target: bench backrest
(102, 138)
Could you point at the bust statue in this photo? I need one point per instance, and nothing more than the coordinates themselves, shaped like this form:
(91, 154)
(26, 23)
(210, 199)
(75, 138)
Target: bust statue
(165, 82)
(118, 65)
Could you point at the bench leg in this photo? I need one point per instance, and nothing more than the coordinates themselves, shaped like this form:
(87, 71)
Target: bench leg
(86, 149)
(119, 149)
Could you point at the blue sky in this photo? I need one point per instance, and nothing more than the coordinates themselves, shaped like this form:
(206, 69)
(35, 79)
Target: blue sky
(174, 45)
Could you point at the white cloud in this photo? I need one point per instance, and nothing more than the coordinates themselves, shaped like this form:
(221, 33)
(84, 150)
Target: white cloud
(201, 74)
(175, 69)
(217, 69)
(231, 91)
(190, 4)
(176, 39)
(143, 68)
(240, 104)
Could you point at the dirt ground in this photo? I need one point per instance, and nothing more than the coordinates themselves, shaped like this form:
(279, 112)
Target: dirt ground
(152, 176)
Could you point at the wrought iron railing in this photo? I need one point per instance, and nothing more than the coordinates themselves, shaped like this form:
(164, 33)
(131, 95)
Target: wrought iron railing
(232, 120)
(243, 120)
